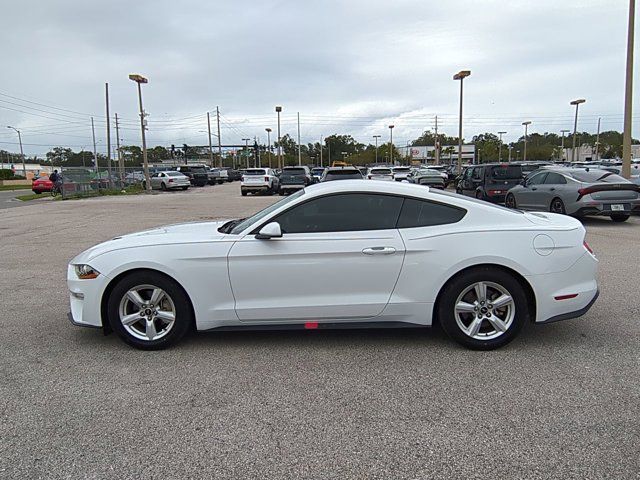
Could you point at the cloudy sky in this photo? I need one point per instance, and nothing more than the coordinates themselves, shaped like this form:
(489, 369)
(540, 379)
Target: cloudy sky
(347, 66)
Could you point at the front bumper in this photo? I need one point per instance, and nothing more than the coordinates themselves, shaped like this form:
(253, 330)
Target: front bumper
(85, 298)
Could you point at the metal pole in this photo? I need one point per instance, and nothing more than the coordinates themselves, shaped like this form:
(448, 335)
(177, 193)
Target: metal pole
(436, 146)
(95, 153)
(510, 148)
(120, 159)
(24, 167)
(500, 146)
(147, 179)
(391, 144)
(524, 154)
(219, 138)
(269, 143)
(575, 129)
(246, 150)
(321, 150)
(460, 131)
(562, 144)
(598, 139)
(106, 91)
(210, 147)
(299, 156)
(376, 137)
(628, 95)
(278, 110)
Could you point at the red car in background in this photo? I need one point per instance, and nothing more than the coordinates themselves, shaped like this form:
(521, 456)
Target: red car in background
(41, 184)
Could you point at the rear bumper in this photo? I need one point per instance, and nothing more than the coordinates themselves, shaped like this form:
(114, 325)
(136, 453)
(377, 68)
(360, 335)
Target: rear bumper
(604, 208)
(295, 186)
(575, 313)
(254, 187)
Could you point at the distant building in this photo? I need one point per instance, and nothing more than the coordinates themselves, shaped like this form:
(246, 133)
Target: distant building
(448, 153)
(587, 153)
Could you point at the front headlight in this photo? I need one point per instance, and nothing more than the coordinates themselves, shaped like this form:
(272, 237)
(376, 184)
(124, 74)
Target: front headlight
(86, 272)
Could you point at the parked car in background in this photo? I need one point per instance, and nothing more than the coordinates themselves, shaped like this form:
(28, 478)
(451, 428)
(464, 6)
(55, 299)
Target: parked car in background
(294, 178)
(233, 175)
(345, 254)
(41, 184)
(578, 192)
(444, 172)
(489, 181)
(213, 176)
(380, 173)
(224, 175)
(316, 173)
(401, 173)
(197, 174)
(169, 180)
(528, 167)
(428, 177)
(259, 180)
(341, 173)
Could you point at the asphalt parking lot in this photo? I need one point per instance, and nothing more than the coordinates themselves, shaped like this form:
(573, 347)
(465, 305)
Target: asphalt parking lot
(562, 401)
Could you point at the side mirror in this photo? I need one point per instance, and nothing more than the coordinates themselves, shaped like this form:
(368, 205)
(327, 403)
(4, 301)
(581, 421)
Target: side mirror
(270, 230)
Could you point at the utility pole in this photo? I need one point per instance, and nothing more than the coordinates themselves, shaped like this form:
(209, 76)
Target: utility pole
(598, 139)
(575, 127)
(376, 137)
(24, 167)
(436, 144)
(278, 110)
(246, 149)
(320, 150)
(120, 159)
(628, 95)
(219, 139)
(391, 143)
(268, 130)
(210, 147)
(562, 144)
(95, 153)
(106, 92)
(299, 155)
(526, 125)
(500, 146)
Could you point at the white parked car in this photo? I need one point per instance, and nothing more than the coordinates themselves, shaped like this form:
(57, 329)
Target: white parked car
(256, 180)
(380, 173)
(341, 254)
(401, 173)
(169, 180)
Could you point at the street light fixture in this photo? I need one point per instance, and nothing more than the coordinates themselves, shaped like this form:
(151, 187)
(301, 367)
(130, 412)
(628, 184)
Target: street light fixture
(268, 130)
(575, 126)
(278, 110)
(500, 146)
(391, 144)
(524, 154)
(377, 137)
(139, 79)
(24, 167)
(461, 75)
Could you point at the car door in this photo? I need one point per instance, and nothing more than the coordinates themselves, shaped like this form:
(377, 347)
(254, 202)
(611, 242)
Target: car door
(531, 195)
(155, 180)
(554, 186)
(339, 258)
(472, 180)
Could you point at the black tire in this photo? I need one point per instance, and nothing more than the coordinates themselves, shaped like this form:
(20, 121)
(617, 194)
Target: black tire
(494, 276)
(510, 201)
(620, 217)
(281, 192)
(163, 186)
(244, 193)
(479, 195)
(557, 206)
(458, 191)
(183, 312)
(184, 188)
(38, 192)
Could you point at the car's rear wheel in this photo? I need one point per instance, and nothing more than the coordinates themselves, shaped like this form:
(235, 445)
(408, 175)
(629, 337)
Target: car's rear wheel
(510, 201)
(243, 192)
(620, 217)
(557, 206)
(483, 308)
(149, 311)
(479, 195)
(163, 186)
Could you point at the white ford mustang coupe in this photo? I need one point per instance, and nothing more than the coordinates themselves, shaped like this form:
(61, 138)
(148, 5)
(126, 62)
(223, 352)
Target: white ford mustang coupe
(341, 255)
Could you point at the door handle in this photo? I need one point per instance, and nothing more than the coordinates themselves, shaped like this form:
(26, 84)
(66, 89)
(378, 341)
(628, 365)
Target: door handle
(379, 251)
(533, 188)
(552, 189)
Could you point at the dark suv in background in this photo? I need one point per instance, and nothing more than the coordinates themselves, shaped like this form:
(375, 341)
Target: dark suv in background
(490, 181)
(294, 178)
(198, 174)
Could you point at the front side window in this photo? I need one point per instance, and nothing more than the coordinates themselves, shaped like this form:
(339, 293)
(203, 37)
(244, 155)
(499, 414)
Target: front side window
(422, 213)
(342, 213)
(537, 179)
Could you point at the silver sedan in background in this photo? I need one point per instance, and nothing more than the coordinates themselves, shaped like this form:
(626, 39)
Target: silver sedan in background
(169, 180)
(578, 192)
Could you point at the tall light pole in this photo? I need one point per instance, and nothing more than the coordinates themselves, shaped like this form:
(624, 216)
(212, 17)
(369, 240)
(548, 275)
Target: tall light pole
(139, 79)
(562, 144)
(598, 140)
(377, 137)
(24, 167)
(268, 130)
(210, 146)
(246, 148)
(524, 154)
(299, 151)
(500, 146)
(628, 95)
(278, 110)
(461, 75)
(391, 143)
(510, 148)
(575, 126)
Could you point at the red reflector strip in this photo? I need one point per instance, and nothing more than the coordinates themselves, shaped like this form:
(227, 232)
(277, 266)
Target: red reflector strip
(311, 325)
(566, 297)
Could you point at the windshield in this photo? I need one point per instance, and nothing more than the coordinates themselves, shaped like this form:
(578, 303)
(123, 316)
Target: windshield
(293, 171)
(173, 174)
(401, 169)
(593, 176)
(242, 224)
(380, 171)
(507, 172)
(255, 171)
(343, 175)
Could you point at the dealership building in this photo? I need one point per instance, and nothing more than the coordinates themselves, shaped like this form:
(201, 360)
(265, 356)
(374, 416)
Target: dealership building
(448, 153)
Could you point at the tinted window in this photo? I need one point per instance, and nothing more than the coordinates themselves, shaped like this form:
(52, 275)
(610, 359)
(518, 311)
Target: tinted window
(380, 171)
(592, 176)
(342, 213)
(537, 179)
(555, 179)
(343, 175)
(255, 171)
(507, 172)
(420, 213)
(476, 172)
(294, 171)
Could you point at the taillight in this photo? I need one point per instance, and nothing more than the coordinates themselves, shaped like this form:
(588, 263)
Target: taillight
(171, 180)
(266, 179)
(587, 247)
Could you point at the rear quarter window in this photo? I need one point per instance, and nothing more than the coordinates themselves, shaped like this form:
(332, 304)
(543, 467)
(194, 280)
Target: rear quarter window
(423, 213)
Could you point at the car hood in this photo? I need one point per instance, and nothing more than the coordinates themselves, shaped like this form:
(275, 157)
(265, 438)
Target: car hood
(182, 233)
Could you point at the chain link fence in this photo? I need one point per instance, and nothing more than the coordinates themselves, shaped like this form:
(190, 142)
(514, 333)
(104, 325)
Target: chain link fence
(88, 182)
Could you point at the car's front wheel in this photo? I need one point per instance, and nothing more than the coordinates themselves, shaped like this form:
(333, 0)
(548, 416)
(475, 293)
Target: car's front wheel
(557, 206)
(510, 201)
(483, 308)
(149, 310)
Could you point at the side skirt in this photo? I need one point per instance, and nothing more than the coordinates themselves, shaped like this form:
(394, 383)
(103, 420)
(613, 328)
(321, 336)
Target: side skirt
(316, 326)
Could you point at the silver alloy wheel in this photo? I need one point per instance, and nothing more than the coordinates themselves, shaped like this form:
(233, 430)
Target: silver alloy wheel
(147, 312)
(485, 310)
